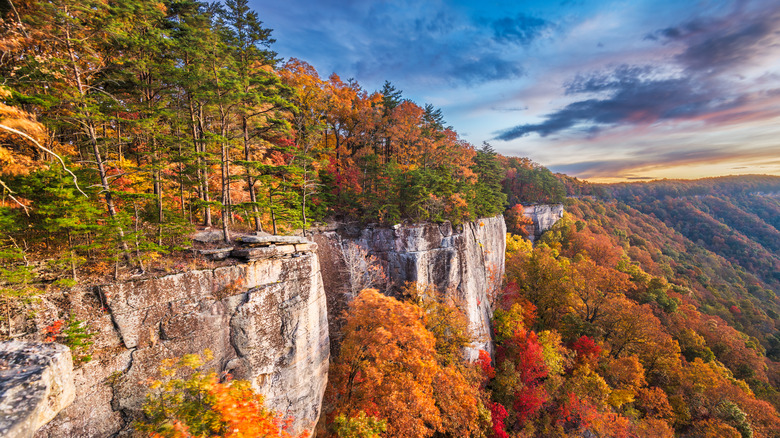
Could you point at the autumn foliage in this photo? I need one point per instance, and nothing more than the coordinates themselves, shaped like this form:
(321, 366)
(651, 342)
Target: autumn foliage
(203, 406)
(389, 368)
(612, 348)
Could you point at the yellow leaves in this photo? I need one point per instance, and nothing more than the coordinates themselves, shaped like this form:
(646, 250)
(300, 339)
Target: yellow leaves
(588, 385)
(201, 405)
(18, 154)
(507, 322)
(517, 245)
(552, 351)
(619, 397)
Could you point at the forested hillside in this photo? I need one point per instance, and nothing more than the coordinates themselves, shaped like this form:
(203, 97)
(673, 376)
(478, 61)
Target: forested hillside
(735, 217)
(125, 124)
(613, 325)
(649, 310)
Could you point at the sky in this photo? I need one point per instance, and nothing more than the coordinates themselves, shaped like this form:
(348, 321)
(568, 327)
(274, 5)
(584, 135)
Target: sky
(601, 90)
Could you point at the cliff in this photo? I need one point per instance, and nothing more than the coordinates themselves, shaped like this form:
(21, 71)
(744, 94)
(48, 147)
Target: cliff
(544, 217)
(465, 262)
(265, 321)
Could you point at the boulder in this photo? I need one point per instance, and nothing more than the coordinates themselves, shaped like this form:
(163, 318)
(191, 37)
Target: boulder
(36, 383)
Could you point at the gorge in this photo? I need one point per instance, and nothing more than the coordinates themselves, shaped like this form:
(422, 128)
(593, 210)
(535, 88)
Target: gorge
(265, 320)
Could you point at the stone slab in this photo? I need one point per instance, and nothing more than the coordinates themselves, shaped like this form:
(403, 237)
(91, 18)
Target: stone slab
(36, 383)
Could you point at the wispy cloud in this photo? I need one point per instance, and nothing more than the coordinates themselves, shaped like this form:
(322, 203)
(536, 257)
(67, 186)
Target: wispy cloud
(697, 81)
(521, 29)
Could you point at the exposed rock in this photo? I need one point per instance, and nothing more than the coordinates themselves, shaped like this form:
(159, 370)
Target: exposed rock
(267, 252)
(217, 253)
(265, 321)
(465, 262)
(36, 383)
(544, 217)
(270, 240)
(277, 333)
(208, 236)
(92, 413)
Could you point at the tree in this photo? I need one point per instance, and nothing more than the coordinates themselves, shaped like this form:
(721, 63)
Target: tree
(488, 198)
(387, 365)
(389, 368)
(200, 405)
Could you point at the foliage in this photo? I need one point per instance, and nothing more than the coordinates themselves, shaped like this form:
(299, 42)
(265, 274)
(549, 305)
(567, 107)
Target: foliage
(618, 343)
(197, 404)
(387, 366)
(359, 426)
(528, 183)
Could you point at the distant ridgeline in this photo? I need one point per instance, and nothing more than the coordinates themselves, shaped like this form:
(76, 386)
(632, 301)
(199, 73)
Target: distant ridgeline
(737, 217)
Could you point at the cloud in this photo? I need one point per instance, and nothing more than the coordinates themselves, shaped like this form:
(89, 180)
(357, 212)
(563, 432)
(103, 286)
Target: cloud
(414, 44)
(487, 68)
(720, 43)
(639, 163)
(636, 95)
(700, 80)
(522, 29)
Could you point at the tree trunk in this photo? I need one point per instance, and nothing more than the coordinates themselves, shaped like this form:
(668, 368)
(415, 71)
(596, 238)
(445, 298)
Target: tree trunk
(205, 194)
(89, 126)
(249, 180)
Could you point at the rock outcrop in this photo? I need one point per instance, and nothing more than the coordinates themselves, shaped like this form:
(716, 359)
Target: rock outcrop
(36, 383)
(465, 262)
(264, 321)
(544, 217)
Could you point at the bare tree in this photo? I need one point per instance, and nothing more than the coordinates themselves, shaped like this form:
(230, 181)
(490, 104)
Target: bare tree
(363, 269)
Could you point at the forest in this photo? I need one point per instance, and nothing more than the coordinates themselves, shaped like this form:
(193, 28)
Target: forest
(613, 325)
(649, 310)
(125, 124)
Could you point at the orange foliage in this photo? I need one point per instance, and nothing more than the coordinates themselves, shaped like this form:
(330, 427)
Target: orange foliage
(387, 366)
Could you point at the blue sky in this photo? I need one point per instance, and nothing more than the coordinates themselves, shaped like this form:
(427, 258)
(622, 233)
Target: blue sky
(603, 90)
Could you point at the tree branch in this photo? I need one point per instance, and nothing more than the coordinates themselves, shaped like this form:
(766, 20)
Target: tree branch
(11, 195)
(44, 148)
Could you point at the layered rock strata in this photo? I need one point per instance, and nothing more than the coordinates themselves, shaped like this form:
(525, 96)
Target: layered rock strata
(264, 321)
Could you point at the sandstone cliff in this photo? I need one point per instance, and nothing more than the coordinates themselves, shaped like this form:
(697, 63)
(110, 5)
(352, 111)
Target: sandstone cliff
(544, 217)
(465, 261)
(265, 322)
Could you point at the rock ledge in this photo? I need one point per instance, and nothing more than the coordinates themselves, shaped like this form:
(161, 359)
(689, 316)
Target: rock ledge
(36, 382)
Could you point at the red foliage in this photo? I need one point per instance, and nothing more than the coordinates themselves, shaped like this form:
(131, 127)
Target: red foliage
(525, 353)
(497, 415)
(484, 364)
(574, 413)
(53, 330)
(587, 350)
(528, 401)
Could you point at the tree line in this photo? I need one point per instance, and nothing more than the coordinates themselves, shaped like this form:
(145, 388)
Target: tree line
(125, 123)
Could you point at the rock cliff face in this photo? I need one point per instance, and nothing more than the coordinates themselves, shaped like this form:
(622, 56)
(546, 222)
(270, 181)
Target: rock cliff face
(466, 262)
(265, 321)
(544, 217)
